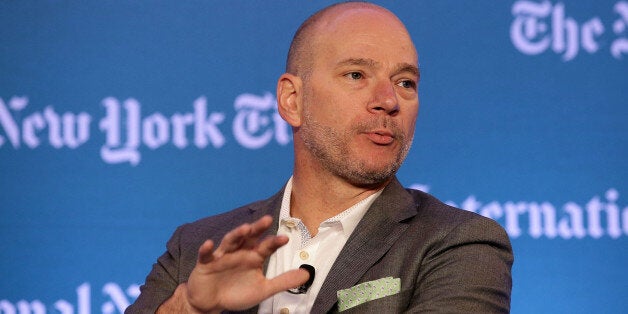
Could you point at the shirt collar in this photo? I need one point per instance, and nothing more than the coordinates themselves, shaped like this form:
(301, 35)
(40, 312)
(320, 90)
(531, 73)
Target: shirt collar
(348, 219)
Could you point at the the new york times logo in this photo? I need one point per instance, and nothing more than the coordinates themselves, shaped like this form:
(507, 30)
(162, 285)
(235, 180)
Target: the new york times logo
(127, 129)
(539, 26)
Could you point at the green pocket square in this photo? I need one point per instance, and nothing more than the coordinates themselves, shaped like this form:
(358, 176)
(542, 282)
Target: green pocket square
(367, 291)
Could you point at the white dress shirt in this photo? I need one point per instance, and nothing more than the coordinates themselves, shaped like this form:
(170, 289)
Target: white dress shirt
(319, 251)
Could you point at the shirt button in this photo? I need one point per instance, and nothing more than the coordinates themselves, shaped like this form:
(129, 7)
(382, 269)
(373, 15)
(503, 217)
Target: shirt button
(304, 255)
(290, 224)
(284, 310)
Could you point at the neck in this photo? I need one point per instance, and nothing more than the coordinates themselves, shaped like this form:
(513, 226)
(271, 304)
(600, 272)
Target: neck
(318, 195)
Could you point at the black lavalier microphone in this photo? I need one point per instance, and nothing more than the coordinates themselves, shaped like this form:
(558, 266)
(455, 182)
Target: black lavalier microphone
(303, 288)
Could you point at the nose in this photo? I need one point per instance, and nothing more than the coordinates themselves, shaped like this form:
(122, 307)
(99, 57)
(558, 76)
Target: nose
(385, 99)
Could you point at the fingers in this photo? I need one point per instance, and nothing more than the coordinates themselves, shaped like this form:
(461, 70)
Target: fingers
(288, 280)
(259, 226)
(245, 235)
(232, 240)
(269, 245)
(205, 252)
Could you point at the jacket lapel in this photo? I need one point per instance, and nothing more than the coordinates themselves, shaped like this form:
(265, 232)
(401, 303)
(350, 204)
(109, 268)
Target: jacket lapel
(380, 227)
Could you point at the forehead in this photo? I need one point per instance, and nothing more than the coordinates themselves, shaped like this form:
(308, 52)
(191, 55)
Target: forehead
(363, 33)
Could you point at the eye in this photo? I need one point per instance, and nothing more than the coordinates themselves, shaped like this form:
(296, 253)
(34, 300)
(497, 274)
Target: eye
(407, 84)
(354, 75)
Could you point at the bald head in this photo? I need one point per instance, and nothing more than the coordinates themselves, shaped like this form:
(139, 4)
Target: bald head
(306, 39)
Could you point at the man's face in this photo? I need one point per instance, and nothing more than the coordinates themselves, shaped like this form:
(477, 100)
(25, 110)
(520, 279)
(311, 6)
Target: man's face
(360, 97)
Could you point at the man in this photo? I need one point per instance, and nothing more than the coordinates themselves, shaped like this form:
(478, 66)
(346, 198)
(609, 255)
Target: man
(350, 95)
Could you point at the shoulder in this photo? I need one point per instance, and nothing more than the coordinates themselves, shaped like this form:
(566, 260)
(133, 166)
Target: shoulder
(435, 209)
(465, 259)
(216, 226)
(446, 221)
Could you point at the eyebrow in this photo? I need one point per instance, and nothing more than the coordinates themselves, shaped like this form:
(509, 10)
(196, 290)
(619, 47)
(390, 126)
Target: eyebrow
(409, 68)
(402, 67)
(358, 61)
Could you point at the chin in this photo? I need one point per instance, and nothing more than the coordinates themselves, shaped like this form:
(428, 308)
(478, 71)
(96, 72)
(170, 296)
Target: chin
(371, 176)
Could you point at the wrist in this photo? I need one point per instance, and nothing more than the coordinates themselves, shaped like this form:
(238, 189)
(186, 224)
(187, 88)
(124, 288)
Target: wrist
(188, 303)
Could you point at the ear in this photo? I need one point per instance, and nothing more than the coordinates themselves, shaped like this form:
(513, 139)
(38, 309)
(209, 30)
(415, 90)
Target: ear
(289, 93)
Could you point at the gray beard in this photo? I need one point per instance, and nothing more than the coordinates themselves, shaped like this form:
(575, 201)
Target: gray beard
(332, 148)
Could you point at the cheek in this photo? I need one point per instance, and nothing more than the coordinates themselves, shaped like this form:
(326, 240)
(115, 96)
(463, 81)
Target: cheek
(337, 113)
(412, 114)
(409, 123)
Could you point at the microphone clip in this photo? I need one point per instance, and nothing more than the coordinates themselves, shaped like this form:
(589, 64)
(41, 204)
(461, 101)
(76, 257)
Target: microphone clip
(303, 288)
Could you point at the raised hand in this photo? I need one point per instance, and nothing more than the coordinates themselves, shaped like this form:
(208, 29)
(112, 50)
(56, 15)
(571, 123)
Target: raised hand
(231, 276)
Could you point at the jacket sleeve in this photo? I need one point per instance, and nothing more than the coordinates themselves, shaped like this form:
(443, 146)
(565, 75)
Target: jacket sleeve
(162, 280)
(467, 271)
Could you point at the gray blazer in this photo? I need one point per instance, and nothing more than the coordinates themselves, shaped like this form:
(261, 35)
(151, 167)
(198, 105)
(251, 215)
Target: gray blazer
(448, 260)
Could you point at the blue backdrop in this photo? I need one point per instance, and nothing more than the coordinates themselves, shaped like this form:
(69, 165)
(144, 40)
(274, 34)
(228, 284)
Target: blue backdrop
(120, 120)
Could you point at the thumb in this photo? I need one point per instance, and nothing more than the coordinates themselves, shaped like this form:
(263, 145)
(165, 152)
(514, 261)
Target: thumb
(288, 280)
